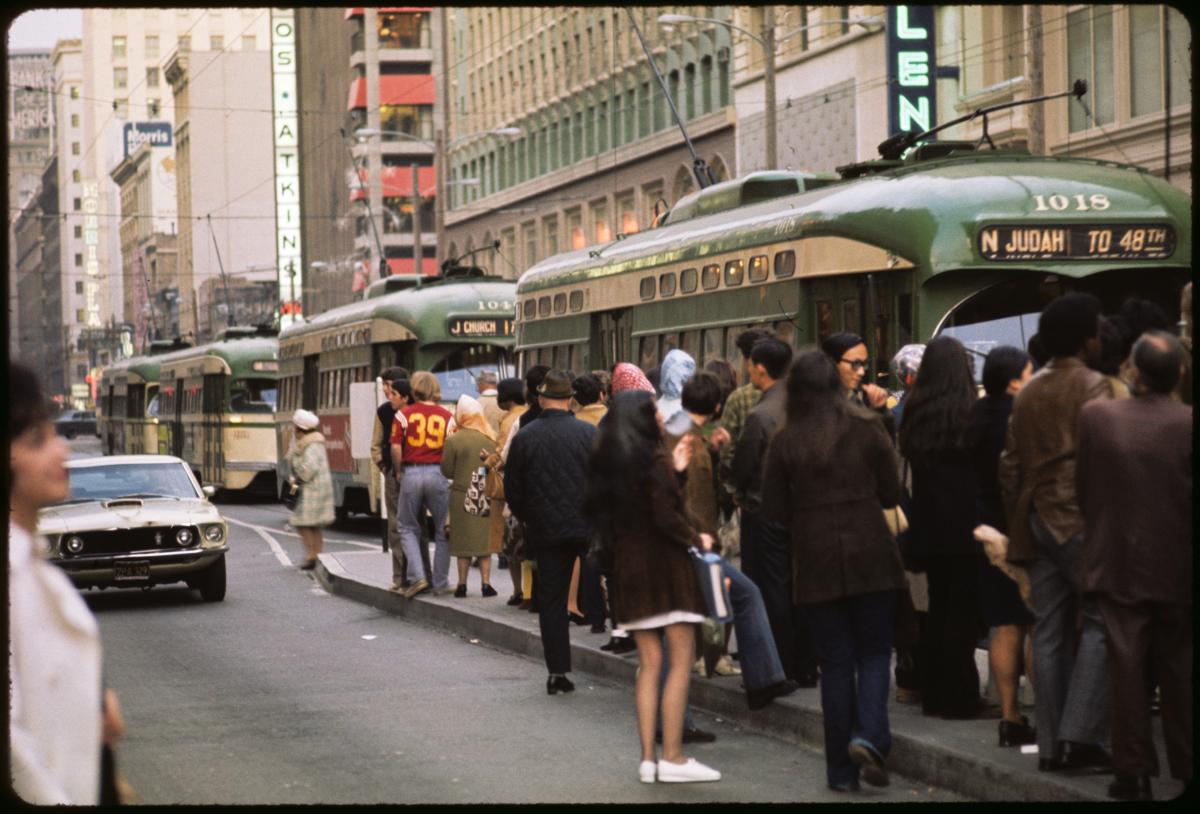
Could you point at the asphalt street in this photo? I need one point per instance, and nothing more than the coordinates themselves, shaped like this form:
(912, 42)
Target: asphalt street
(285, 694)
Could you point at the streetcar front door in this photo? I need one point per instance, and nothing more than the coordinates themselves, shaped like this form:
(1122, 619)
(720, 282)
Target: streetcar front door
(212, 425)
(876, 306)
(176, 434)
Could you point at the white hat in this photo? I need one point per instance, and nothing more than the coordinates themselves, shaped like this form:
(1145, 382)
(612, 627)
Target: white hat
(305, 420)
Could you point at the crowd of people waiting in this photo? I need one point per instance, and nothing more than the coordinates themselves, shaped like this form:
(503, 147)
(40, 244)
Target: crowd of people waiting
(1048, 508)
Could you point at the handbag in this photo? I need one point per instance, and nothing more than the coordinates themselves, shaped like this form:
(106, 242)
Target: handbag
(729, 535)
(291, 495)
(711, 576)
(476, 502)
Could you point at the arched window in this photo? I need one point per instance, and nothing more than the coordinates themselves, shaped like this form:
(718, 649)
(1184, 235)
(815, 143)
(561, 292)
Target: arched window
(684, 183)
(719, 171)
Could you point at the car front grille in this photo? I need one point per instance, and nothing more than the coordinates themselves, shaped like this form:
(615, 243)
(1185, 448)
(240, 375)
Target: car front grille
(124, 541)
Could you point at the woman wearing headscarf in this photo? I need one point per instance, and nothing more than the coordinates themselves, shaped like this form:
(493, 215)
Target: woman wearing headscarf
(633, 499)
(309, 467)
(628, 376)
(677, 368)
(462, 463)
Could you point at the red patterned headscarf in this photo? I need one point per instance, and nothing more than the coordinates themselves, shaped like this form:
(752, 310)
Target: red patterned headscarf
(627, 376)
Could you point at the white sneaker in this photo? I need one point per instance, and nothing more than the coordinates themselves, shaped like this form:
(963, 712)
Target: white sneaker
(693, 771)
(726, 667)
(646, 771)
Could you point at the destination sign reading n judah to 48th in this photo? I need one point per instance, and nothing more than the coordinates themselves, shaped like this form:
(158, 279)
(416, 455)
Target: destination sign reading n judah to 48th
(476, 326)
(1124, 241)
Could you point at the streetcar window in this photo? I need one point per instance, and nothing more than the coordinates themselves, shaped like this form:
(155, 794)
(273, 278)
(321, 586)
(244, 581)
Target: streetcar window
(572, 356)
(253, 396)
(850, 316)
(666, 284)
(710, 277)
(647, 352)
(543, 306)
(758, 268)
(735, 270)
(457, 370)
(152, 409)
(576, 301)
(688, 280)
(689, 343)
(669, 343)
(530, 309)
(785, 329)
(560, 303)
(646, 288)
(824, 319)
(785, 264)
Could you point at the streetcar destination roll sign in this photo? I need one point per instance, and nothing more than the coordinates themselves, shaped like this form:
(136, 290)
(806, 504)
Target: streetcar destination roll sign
(1118, 241)
(476, 326)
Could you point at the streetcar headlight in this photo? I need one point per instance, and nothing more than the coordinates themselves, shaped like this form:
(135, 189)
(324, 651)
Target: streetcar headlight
(214, 533)
(184, 536)
(74, 544)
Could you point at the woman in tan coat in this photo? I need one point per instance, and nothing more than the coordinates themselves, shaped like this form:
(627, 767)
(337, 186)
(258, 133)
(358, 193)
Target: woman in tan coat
(462, 463)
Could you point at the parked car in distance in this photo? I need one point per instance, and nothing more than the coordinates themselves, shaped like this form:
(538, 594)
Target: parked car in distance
(132, 521)
(76, 422)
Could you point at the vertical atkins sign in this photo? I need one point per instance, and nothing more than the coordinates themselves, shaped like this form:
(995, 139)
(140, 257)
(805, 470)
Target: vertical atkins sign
(289, 270)
(912, 91)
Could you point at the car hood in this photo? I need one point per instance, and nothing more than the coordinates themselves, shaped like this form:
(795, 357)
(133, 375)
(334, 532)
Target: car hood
(129, 513)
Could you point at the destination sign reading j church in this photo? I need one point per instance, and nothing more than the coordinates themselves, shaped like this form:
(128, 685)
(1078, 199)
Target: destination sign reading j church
(1117, 241)
(481, 327)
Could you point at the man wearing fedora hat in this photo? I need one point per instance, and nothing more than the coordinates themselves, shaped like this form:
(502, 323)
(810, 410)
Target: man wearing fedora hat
(544, 481)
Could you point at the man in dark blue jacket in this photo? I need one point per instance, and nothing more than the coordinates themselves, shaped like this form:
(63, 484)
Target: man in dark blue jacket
(544, 481)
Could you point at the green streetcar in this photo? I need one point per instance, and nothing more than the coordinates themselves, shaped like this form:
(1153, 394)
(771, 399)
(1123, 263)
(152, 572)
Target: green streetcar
(455, 327)
(127, 406)
(949, 240)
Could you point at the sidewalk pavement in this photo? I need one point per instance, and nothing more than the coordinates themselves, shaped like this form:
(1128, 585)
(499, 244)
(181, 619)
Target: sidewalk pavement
(961, 756)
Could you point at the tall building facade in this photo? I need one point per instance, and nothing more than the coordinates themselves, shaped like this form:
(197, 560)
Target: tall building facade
(835, 85)
(225, 172)
(123, 54)
(599, 151)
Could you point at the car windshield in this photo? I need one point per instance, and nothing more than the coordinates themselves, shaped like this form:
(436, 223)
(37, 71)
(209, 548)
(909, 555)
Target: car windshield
(456, 371)
(113, 481)
(252, 396)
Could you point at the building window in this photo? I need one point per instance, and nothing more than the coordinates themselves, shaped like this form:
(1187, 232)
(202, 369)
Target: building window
(216, 42)
(1147, 67)
(415, 120)
(1090, 55)
(404, 30)
(76, 176)
(78, 232)
(74, 91)
(626, 215)
(249, 42)
(78, 260)
(185, 42)
(78, 204)
(79, 286)
(601, 230)
(575, 229)
(151, 46)
(74, 148)
(121, 108)
(74, 119)
(550, 230)
(120, 77)
(153, 107)
(152, 77)
(118, 47)
(79, 318)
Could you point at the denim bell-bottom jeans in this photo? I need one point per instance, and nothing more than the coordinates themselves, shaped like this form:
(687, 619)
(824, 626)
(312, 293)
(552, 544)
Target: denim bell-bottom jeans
(424, 487)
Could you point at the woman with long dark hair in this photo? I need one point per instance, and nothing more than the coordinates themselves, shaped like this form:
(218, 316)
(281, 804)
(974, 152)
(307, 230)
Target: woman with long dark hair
(830, 472)
(935, 439)
(1005, 371)
(634, 501)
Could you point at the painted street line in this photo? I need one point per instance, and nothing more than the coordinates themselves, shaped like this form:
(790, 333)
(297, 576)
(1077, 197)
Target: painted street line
(271, 541)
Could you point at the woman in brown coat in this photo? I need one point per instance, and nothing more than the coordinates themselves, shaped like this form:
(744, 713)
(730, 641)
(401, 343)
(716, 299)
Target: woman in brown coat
(829, 474)
(634, 501)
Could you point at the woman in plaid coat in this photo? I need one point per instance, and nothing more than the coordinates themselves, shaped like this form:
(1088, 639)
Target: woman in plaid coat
(309, 467)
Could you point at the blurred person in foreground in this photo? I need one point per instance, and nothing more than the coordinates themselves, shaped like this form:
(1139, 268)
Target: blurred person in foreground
(59, 718)
(1134, 481)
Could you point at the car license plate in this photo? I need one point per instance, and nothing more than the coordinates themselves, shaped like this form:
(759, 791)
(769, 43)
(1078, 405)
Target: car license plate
(132, 570)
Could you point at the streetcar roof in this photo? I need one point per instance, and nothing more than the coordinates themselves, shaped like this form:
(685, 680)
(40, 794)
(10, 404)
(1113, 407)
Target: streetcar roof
(919, 212)
(423, 307)
(239, 355)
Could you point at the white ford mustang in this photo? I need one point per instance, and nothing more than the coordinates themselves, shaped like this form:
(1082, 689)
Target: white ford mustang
(135, 521)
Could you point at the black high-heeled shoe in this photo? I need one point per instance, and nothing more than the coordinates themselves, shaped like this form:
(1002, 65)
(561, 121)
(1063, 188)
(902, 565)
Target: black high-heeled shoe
(556, 684)
(1013, 733)
(515, 599)
(577, 618)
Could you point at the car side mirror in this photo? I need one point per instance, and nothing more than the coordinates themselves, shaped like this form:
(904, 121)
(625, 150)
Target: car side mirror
(209, 491)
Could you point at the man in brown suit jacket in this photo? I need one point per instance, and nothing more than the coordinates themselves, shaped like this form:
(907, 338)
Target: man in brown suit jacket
(1134, 475)
(1037, 483)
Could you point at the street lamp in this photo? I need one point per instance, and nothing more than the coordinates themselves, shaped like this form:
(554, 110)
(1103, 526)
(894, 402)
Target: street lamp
(439, 157)
(767, 41)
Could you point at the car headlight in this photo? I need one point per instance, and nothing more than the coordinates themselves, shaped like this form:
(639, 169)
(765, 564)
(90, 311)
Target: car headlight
(184, 537)
(74, 544)
(214, 533)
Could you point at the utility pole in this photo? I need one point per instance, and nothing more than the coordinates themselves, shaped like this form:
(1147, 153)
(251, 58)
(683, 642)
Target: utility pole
(768, 45)
(1035, 120)
(418, 253)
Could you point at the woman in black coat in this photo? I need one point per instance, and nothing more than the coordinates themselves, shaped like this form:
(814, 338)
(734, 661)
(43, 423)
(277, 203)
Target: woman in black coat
(934, 437)
(829, 473)
(1005, 372)
(634, 502)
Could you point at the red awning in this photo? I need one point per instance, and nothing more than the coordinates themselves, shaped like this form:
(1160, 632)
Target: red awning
(358, 12)
(397, 182)
(408, 265)
(395, 89)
